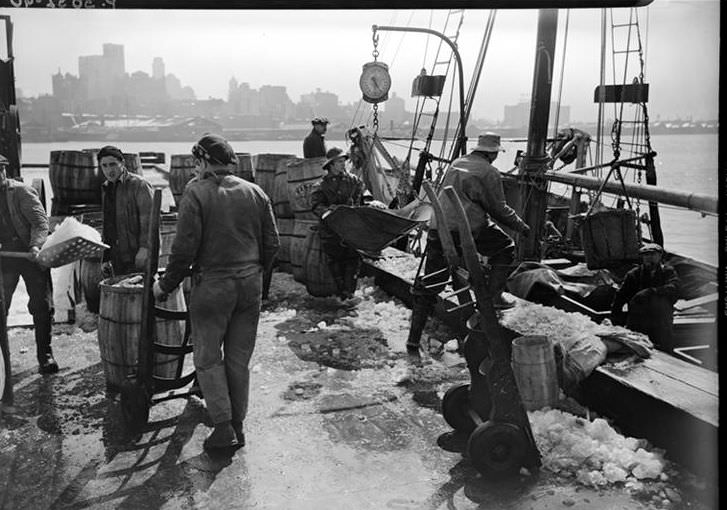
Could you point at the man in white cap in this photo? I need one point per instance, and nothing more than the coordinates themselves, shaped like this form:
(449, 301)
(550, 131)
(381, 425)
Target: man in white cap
(479, 186)
(650, 290)
(314, 145)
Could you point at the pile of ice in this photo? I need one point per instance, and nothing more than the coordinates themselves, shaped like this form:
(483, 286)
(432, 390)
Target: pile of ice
(379, 309)
(592, 451)
(405, 266)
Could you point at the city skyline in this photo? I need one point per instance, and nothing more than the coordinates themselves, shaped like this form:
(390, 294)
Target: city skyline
(682, 85)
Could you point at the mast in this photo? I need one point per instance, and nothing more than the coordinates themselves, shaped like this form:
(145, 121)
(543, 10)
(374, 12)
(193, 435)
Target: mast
(534, 163)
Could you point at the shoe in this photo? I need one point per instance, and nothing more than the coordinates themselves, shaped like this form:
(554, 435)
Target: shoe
(500, 302)
(237, 427)
(223, 436)
(48, 365)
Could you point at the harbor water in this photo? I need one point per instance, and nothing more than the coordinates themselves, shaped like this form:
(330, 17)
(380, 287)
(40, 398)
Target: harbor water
(683, 162)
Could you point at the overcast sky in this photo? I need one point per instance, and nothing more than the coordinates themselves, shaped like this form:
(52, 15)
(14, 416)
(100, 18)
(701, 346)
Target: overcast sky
(312, 49)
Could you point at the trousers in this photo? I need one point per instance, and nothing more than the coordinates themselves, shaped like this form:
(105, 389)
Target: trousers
(224, 314)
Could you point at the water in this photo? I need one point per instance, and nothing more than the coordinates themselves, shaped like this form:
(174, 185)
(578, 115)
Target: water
(684, 162)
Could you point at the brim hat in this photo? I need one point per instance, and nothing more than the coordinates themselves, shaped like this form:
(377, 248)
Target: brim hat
(650, 248)
(214, 149)
(488, 142)
(319, 120)
(110, 150)
(334, 154)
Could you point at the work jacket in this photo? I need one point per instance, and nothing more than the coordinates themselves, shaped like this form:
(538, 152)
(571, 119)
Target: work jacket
(127, 206)
(663, 281)
(225, 228)
(479, 186)
(342, 189)
(314, 146)
(27, 215)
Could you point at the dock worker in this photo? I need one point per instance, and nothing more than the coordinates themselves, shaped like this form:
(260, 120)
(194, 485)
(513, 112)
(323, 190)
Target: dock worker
(24, 228)
(479, 186)
(314, 145)
(126, 203)
(226, 231)
(650, 290)
(338, 187)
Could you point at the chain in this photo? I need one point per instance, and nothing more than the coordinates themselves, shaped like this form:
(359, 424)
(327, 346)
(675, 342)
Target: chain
(375, 39)
(375, 107)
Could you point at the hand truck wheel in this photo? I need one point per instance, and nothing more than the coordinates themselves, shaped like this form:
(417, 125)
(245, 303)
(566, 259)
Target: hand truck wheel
(497, 448)
(455, 408)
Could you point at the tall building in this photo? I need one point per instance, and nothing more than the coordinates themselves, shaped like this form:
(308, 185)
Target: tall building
(395, 109)
(99, 74)
(157, 69)
(518, 116)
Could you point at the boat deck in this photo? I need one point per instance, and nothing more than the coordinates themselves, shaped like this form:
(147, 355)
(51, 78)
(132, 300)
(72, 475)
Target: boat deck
(672, 403)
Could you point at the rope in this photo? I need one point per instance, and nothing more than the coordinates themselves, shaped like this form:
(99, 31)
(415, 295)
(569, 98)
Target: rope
(562, 70)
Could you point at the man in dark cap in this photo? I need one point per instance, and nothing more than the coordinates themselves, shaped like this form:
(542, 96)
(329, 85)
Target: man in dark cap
(338, 187)
(650, 290)
(126, 202)
(314, 145)
(479, 186)
(226, 233)
(24, 228)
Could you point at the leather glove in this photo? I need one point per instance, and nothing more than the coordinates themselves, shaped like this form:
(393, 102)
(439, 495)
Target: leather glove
(107, 270)
(34, 251)
(141, 256)
(159, 294)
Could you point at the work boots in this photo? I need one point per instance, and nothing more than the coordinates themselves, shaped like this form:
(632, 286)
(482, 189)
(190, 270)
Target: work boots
(46, 363)
(496, 285)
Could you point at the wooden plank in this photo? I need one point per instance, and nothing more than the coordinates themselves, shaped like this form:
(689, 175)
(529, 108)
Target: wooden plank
(697, 377)
(702, 300)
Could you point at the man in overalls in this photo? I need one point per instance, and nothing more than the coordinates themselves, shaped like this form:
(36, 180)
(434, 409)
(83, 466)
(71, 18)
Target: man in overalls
(226, 231)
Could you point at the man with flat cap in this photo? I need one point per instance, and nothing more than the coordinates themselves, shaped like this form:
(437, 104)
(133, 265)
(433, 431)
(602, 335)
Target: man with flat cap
(226, 234)
(126, 203)
(650, 290)
(24, 228)
(314, 145)
(479, 186)
(338, 187)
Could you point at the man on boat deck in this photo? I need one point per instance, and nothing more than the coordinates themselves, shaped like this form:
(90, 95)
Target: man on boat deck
(126, 203)
(314, 145)
(479, 186)
(650, 289)
(24, 228)
(338, 187)
(226, 232)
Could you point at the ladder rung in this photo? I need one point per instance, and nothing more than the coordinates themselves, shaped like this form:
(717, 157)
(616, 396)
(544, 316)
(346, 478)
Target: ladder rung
(618, 25)
(626, 51)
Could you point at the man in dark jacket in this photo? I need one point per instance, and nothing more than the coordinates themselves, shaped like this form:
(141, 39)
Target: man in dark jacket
(650, 290)
(338, 187)
(479, 187)
(24, 228)
(127, 202)
(226, 231)
(314, 145)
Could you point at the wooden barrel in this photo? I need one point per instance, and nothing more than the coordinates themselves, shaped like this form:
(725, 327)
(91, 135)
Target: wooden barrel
(132, 161)
(169, 366)
(318, 279)
(533, 363)
(245, 169)
(181, 171)
(91, 277)
(75, 178)
(285, 231)
(119, 328)
(167, 231)
(265, 166)
(297, 247)
(303, 174)
(280, 199)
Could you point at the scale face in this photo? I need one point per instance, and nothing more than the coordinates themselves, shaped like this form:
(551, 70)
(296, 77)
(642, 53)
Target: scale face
(375, 82)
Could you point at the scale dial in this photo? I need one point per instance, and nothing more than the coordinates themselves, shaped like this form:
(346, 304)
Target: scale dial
(375, 82)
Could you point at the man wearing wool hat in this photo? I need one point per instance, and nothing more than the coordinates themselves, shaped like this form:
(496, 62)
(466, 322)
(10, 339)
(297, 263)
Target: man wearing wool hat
(226, 234)
(126, 203)
(314, 145)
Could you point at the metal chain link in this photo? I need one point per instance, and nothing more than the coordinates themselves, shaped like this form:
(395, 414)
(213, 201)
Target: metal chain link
(375, 39)
(375, 107)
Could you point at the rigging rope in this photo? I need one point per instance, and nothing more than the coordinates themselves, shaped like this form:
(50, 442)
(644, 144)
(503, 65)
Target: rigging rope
(562, 70)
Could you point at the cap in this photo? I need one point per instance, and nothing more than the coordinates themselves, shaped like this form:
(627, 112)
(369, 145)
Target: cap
(215, 149)
(319, 120)
(110, 150)
(650, 248)
(334, 154)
